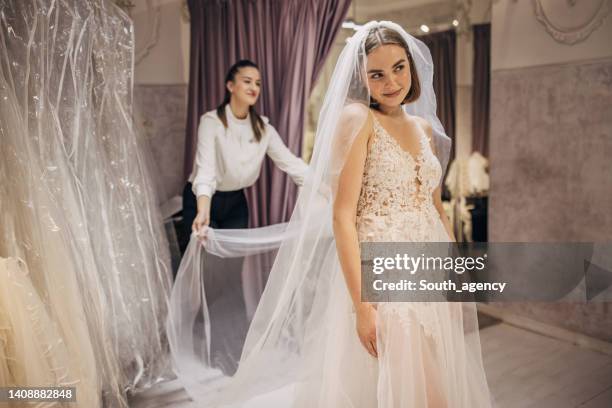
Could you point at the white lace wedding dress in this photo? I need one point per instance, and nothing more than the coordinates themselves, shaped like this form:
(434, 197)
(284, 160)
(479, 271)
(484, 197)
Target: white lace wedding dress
(426, 358)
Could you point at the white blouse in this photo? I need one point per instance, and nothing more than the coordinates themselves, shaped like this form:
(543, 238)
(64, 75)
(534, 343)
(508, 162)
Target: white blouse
(230, 158)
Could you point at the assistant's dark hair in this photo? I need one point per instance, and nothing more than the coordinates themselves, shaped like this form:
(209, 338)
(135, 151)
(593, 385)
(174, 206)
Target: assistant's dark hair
(257, 122)
(383, 36)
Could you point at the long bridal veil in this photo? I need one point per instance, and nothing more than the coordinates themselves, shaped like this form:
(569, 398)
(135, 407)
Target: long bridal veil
(222, 356)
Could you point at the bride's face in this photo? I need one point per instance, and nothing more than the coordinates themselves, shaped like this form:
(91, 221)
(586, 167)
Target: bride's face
(388, 74)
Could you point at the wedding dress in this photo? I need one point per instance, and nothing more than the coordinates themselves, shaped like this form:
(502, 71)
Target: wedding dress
(419, 344)
(301, 348)
(44, 343)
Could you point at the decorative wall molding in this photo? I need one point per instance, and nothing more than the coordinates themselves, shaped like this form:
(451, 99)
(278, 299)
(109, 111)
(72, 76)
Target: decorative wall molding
(573, 35)
(154, 20)
(389, 6)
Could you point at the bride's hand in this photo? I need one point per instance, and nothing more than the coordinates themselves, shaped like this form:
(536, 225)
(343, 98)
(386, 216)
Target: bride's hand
(366, 327)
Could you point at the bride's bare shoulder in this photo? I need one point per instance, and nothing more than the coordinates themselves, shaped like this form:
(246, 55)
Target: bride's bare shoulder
(425, 125)
(357, 116)
(355, 110)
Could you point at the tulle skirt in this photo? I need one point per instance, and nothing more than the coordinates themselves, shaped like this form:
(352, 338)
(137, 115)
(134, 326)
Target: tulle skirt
(302, 349)
(428, 353)
(424, 360)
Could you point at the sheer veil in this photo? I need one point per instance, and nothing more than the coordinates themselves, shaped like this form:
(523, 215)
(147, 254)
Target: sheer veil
(221, 354)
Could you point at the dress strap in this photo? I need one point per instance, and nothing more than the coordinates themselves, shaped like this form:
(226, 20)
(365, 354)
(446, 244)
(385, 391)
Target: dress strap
(377, 125)
(376, 122)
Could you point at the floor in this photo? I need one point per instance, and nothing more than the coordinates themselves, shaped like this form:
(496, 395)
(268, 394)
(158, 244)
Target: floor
(524, 369)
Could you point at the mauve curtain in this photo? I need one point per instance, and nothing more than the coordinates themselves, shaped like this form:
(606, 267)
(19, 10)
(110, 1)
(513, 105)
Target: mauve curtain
(442, 46)
(289, 40)
(481, 88)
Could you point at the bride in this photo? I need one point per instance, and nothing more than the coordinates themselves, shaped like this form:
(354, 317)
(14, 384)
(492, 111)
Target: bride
(375, 175)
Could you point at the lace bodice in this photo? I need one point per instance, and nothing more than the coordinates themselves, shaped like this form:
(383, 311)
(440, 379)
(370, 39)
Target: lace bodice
(396, 204)
(394, 180)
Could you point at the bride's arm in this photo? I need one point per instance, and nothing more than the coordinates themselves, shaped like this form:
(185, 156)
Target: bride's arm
(345, 200)
(345, 215)
(437, 194)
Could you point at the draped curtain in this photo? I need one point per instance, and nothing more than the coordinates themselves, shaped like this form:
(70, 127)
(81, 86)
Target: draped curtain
(481, 88)
(289, 40)
(442, 47)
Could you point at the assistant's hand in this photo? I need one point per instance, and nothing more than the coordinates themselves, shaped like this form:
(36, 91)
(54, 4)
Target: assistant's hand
(201, 221)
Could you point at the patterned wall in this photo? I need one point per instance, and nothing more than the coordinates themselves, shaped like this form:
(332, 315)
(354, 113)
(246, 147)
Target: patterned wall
(162, 115)
(551, 169)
